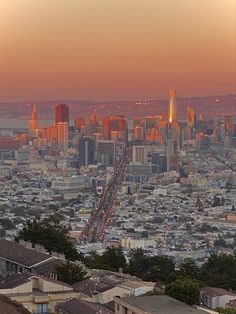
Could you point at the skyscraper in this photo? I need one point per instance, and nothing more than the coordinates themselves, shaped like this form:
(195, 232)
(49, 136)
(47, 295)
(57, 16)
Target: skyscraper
(139, 133)
(139, 154)
(61, 113)
(79, 122)
(190, 116)
(86, 151)
(106, 152)
(33, 122)
(172, 110)
(62, 136)
(106, 124)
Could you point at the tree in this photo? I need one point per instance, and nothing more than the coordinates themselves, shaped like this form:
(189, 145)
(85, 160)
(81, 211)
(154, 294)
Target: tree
(93, 261)
(159, 268)
(219, 271)
(114, 258)
(51, 235)
(138, 263)
(189, 269)
(184, 289)
(71, 272)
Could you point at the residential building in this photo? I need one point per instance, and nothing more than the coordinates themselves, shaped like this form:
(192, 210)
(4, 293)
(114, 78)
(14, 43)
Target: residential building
(216, 297)
(158, 304)
(37, 294)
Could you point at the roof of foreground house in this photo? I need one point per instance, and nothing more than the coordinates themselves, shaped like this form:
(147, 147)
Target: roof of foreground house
(17, 253)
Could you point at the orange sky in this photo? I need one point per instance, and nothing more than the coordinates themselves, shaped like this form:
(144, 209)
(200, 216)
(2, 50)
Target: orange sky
(116, 49)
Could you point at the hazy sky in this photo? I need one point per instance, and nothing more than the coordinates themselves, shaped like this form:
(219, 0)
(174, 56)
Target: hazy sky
(116, 49)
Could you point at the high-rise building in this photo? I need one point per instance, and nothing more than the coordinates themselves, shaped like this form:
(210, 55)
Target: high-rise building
(106, 152)
(114, 123)
(139, 133)
(138, 121)
(62, 136)
(172, 110)
(106, 125)
(33, 122)
(79, 122)
(50, 134)
(118, 123)
(160, 160)
(61, 113)
(139, 154)
(152, 121)
(190, 117)
(93, 124)
(86, 151)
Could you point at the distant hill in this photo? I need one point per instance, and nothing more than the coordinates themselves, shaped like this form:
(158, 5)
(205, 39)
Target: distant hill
(212, 106)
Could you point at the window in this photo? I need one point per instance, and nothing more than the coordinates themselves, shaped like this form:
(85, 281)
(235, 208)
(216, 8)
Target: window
(42, 308)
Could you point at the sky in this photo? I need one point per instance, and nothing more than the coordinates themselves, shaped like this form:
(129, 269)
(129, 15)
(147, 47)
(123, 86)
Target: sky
(116, 49)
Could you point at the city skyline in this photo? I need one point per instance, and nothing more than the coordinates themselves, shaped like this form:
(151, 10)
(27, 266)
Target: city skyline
(86, 50)
(117, 156)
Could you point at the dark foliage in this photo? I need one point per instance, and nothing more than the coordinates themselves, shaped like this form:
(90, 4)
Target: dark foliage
(51, 235)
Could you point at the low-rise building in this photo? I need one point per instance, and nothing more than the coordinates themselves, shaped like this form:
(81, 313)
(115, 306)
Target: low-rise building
(36, 293)
(216, 297)
(76, 306)
(158, 304)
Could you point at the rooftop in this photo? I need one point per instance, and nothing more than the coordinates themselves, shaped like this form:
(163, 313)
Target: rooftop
(18, 254)
(72, 306)
(159, 304)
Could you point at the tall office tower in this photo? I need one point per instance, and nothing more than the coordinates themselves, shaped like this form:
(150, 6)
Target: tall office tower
(106, 152)
(229, 124)
(86, 151)
(33, 122)
(150, 122)
(93, 124)
(138, 121)
(106, 125)
(62, 136)
(139, 133)
(118, 123)
(172, 159)
(61, 113)
(172, 110)
(190, 117)
(159, 160)
(139, 154)
(50, 134)
(79, 122)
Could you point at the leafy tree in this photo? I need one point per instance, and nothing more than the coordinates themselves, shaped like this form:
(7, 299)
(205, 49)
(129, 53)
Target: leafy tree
(159, 268)
(184, 289)
(172, 277)
(189, 269)
(114, 258)
(71, 272)
(219, 271)
(138, 263)
(93, 261)
(50, 235)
